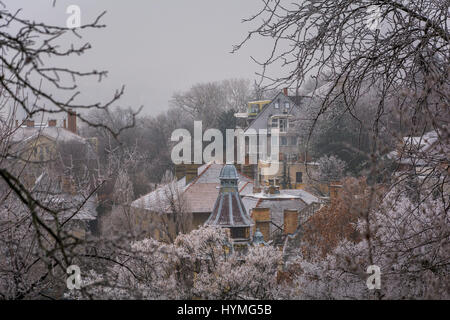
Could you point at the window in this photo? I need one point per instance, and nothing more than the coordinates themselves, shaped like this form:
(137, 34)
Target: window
(277, 105)
(238, 233)
(299, 177)
(286, 105)
(283, 141)
(274, 123)
(283, 125)
(293, 141)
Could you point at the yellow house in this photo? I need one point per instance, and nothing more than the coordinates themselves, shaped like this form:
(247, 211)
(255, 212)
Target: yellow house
(290, 174)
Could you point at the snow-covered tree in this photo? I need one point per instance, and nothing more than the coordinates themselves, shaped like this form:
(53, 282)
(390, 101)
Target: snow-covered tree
(200, 264)
(330, 169)
(410, 243)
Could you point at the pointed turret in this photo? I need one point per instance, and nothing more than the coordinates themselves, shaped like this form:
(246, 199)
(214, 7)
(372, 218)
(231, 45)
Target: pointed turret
(229, 211)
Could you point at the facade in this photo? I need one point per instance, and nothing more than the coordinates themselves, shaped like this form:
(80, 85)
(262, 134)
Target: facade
(39, 142)
(281, 113)
(284, 113)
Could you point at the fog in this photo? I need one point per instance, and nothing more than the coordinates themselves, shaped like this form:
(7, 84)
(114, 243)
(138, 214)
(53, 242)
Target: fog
(156, 48)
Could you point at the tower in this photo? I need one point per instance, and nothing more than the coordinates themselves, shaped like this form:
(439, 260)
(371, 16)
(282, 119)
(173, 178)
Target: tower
(229, 211)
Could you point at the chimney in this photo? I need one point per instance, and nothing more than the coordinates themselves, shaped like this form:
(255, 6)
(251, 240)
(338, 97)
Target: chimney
(30, 123)
(180, 171)
(72, 121)
(285, 91)
(290, 221)
(261, 216)
(191, 172)
(52, 123)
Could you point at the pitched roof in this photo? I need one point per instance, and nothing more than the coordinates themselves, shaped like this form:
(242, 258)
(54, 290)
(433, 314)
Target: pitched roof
(322, 91)
(229, 211)
(73, 206)
(269, 110)
(202, 197)
(23, 134)
(423, 150)
(200, 194)
(292, 199)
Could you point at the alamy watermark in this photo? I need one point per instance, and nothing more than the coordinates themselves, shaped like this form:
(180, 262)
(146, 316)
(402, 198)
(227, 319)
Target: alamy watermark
(374, 280)
(256, 148)
(74, 280)
(74, 20)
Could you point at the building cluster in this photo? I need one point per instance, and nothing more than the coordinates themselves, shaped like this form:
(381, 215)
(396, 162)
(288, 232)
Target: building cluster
(254, 207)
(39, 153)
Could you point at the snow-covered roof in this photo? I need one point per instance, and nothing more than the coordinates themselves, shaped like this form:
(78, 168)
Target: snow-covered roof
(303, 195)
(200, 194)
(292, 199)
(228, 210)
(322, 91)
(23, 134)
(418, 151)
(74, 206)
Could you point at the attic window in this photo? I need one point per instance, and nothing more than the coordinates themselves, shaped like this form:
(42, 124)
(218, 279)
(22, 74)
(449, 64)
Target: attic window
(286, 105)
(277, 105)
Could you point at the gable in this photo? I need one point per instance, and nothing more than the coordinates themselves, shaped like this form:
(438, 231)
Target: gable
(261, 121)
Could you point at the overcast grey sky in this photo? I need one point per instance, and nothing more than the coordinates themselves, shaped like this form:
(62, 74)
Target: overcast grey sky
(157, 47)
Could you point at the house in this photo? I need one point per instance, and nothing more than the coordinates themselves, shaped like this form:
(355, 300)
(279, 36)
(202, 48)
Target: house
(49, 145)
(33, 141)
(424, 158)
(279, 212)
(75, 213)
(200, 188)
(76, 210)
(420, 153)
(285, 113)
(281, 113)
(253, 109)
